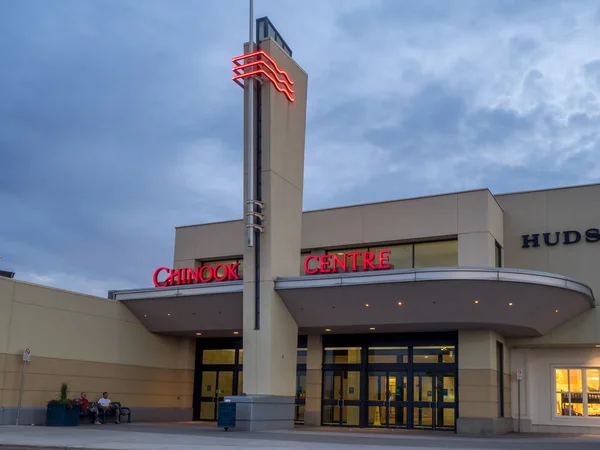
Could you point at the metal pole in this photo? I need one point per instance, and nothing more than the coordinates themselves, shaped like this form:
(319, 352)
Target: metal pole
(250, 136)
(21, 390)
(519, 404)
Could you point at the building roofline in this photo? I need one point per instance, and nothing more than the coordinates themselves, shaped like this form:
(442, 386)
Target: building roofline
(576, 186)
(359, 205)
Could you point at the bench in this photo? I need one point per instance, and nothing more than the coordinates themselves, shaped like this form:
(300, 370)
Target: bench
(88, 413)
(102, 413)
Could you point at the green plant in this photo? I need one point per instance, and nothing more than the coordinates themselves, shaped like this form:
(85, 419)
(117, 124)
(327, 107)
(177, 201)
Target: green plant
(63, 397)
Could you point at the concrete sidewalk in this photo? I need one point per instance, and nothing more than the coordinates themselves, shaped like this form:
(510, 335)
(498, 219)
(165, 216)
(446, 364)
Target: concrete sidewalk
(193, 436)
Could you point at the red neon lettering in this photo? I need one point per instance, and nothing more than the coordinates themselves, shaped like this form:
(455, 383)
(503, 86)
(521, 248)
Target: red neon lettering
(339, 262)
(307, 269)
(384, 259)
(354, 263)
(368, 258)
(191, 277)
(225, 272)
(208, 278)
(233, 271)
(157, 283)
(325, 263)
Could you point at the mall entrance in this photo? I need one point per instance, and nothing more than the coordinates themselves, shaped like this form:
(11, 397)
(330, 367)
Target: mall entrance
(219, 373)
(390, 381)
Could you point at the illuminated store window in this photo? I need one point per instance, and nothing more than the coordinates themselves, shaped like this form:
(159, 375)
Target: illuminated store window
(577, 392)
(388, 355)
(436, 254)
(218, 356)
(342, 355)
(434, 355)
(346, 251)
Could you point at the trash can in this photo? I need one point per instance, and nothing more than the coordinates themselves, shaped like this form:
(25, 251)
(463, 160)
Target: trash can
(226, 415)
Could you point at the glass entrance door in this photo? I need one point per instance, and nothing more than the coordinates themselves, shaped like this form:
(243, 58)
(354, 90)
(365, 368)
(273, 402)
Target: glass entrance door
(434, 402)
(216, 385)
(341, 397)
(387, 399)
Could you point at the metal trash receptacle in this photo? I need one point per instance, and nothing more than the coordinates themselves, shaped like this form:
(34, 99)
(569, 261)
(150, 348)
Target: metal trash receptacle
(226, 415)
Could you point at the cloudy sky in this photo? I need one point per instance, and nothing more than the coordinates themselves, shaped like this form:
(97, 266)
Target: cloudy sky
(119, 120)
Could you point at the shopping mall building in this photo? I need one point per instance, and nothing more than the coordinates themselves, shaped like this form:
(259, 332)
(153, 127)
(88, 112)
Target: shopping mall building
(463, 311)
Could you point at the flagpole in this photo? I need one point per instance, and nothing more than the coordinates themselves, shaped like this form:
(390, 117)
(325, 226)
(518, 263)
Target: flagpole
(250, 136)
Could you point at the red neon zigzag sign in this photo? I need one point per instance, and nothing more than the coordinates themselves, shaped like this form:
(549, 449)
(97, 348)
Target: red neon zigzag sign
(256, 65)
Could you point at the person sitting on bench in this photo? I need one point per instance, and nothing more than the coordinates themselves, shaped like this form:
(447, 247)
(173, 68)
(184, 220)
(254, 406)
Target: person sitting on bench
(104, 404)
(84, 406)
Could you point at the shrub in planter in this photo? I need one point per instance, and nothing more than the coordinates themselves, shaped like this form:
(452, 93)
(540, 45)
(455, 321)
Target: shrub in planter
(62, 412)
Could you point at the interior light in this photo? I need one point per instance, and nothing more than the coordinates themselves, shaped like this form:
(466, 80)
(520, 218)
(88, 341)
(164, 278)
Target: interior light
(510, 304)
(367, 305)
(327, 329)
(371, 328)
(169, 314)
(236, 332)
(399, 303)
(556, 310)
(597, 345)
(198, 334)
(145, 315)
(477, 302)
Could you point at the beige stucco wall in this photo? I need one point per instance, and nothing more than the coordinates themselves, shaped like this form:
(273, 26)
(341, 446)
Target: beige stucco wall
(573, 208)
(92, 343)
(474, 217)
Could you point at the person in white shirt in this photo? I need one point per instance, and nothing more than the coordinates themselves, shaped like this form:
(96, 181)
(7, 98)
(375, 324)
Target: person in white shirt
(105, 404)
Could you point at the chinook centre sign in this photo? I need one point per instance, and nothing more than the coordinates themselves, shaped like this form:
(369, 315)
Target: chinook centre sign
(198, 275)
(347, 262)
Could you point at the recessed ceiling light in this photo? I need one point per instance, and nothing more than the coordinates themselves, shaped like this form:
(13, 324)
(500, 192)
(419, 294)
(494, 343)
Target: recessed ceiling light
(597, 346)
(367, 305)
(198, 334)
(399, 303)
(371, 328)
(236, 332)
(145, 315)
(327, 329)
(477, 302)
(510, 304)
(169, 314)
(556, 310)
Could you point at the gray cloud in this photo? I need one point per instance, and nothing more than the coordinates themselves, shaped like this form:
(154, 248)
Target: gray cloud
(119, 121)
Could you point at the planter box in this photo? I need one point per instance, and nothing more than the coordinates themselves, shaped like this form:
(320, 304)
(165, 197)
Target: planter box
(61, 416)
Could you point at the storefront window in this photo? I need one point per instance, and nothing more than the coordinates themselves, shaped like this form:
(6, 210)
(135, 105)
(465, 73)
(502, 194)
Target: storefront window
(218, 356)
(389, 355)
(341, 355)
(436, 254)
(570, 399)
(434, 355)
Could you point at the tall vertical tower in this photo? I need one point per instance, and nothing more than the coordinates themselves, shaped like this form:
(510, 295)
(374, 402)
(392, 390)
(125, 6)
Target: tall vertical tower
(275, 91)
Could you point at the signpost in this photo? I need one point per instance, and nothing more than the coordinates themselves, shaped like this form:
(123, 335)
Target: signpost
(26, 359)
(519, 378)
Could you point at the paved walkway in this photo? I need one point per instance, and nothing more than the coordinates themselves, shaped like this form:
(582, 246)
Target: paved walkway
(193, 436)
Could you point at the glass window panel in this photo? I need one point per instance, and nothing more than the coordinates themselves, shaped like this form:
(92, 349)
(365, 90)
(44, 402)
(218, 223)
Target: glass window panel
(301, 384)
(392, 355)
(302, 356)
(593, 388)
(352, 385)
(401, 256)
(299, 413)
(436, 254)
(342, 355)
(218, 357)
(209, 384)
(575, 380)
(241, 357)
(593, 380)
(433, 355)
